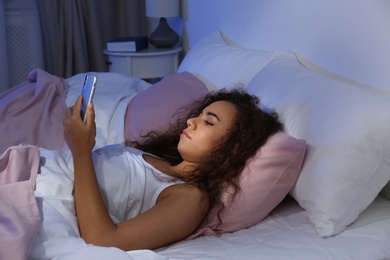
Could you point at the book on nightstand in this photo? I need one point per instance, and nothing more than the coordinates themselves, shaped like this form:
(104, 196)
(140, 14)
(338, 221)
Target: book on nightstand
(128, 44)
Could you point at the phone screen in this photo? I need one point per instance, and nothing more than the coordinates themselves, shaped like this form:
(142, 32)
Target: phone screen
(87, 93)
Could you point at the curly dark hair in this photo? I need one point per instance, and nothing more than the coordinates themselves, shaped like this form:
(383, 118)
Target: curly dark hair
(251, 128)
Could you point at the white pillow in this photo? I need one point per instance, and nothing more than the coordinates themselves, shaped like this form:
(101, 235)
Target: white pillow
(348, 139)
(224, 64)
(386, 191)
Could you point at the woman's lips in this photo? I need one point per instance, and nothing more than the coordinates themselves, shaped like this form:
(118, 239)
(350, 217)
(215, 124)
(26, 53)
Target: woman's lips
(186, 134)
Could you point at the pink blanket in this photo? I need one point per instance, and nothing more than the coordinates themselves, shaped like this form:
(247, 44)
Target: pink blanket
(19, 214)
(32, 112)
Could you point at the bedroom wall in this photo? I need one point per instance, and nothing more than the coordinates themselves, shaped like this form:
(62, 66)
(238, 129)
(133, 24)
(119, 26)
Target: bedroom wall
(348, 37)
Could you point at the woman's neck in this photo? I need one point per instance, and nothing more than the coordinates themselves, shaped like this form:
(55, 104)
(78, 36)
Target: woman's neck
(180, 170)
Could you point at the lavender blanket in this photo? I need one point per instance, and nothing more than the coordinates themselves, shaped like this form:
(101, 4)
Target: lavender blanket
(32, 112)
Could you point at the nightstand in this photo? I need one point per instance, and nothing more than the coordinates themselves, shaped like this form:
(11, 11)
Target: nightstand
(147, 63)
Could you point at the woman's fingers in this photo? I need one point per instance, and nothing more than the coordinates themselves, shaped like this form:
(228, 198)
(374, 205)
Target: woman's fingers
(77, 134)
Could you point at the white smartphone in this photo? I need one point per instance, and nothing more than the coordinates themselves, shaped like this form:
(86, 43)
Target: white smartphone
(87, 92)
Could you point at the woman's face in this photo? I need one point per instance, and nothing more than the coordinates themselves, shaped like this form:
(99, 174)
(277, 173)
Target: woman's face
(206, 131)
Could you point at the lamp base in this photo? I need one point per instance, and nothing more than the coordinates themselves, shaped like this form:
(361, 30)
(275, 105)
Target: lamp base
(163, 36)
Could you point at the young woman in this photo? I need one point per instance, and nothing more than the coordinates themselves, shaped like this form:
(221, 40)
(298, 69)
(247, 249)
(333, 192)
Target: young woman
(193, 161)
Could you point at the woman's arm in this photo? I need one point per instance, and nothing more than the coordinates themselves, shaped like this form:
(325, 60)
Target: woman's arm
(177, 213)
(80, 137)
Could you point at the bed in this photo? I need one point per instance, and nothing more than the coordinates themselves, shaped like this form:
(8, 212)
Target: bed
(318, 191)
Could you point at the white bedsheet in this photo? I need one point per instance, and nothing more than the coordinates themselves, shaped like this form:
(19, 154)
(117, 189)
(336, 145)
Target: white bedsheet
(285, 234)
(288, 234)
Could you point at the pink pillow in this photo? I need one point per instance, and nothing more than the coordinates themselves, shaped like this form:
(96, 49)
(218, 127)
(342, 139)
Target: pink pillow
(154, 108)
(265, 182)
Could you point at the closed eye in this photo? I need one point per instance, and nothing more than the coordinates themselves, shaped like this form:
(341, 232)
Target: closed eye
(208, 123)
(209, 114)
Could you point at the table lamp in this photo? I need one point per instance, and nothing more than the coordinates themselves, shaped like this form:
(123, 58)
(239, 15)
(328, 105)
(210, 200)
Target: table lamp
(163, 36)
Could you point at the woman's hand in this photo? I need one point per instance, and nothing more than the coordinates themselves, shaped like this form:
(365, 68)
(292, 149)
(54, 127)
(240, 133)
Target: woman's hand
(80, 137)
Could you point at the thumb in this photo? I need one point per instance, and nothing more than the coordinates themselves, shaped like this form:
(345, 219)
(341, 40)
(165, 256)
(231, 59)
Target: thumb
(90, 115)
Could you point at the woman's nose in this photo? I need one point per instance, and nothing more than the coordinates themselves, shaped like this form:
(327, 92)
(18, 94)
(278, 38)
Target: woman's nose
(190, 123)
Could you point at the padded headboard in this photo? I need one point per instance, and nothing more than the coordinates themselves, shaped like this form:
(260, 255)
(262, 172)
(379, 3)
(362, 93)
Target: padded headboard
(347, 37)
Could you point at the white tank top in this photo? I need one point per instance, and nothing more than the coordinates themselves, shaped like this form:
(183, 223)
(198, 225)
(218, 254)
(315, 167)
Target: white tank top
(155, 182)
(129, 185)
(145, 182)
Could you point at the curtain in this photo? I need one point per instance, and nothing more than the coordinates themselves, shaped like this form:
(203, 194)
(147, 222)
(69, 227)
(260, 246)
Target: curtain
(75, 32)
(3, 51)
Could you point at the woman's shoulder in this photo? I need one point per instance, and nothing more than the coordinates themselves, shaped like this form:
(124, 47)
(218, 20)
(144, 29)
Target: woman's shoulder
(191, 202)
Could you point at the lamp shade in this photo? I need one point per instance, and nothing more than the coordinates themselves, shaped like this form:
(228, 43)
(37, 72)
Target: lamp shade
(162, 8)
